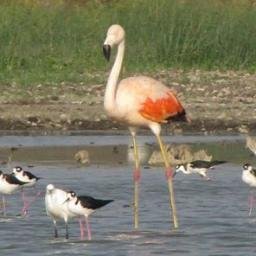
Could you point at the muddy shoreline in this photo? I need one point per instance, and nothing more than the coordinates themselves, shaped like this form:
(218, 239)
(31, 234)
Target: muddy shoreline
(82, 127)
(217, 103)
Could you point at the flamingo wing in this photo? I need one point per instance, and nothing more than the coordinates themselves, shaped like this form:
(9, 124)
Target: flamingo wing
(163, 109)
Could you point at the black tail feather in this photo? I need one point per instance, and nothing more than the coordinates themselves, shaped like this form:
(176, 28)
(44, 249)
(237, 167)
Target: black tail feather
(179, 117)
(217, 162)
(104, 202)
(93, 203)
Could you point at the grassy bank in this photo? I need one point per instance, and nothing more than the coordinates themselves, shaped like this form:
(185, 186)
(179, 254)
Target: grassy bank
(54, 43)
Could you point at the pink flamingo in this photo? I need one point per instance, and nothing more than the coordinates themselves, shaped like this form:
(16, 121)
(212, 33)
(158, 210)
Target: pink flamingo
(140, 101)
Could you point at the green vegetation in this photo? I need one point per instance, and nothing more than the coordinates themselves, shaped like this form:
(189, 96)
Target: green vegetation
(62, 42)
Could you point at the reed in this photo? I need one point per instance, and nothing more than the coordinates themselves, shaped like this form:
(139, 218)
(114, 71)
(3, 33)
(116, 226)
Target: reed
(41, 42)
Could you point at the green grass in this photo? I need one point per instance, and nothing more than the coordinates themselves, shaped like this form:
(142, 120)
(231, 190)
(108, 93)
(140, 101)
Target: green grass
(42, 44)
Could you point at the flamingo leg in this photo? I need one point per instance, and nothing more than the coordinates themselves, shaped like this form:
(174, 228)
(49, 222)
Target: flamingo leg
(169, 177)
(88, 228)
(81, 224)
(136, 179)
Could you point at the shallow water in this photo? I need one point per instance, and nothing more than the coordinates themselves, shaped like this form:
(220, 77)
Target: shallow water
(213, 214)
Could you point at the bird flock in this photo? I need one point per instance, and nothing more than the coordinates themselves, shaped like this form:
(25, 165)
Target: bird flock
(17, 180)
(59, 204)
(63, 205)
(137, 101)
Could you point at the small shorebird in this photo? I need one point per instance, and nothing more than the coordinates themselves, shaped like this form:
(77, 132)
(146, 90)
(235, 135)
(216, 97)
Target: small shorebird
(140, 101)
(25, 176)
(56, 207)
(84, 206)
(9, 184)
(249, 177)
(200, 167)
(30, 181)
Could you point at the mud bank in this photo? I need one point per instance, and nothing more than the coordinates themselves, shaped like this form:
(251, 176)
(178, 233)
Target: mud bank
(217, 102)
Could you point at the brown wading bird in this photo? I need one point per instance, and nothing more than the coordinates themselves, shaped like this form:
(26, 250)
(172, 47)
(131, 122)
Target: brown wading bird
(140, 101)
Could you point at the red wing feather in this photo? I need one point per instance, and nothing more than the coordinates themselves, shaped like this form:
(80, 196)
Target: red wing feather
(161, 109)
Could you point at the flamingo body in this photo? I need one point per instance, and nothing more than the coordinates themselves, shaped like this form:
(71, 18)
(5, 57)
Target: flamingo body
(141, 101)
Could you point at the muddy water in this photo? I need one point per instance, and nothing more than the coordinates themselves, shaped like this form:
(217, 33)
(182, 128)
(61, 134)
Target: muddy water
(213, 215)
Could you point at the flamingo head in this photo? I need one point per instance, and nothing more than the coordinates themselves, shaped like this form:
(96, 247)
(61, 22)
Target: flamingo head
(115, 36)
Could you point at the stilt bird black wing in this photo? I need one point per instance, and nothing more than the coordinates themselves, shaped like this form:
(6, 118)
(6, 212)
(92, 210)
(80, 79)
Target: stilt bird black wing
(31, 175)
(205, 164)
(92, 203)
(13, 180)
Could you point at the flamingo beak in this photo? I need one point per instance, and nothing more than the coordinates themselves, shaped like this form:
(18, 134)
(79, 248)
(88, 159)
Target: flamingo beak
(107, 51)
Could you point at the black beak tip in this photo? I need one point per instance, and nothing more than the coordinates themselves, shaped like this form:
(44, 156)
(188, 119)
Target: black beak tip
(107, 51)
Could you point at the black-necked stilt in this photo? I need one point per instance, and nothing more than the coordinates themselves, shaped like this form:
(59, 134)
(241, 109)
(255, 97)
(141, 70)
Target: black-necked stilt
(199, 166)
(249, 177)
(56, 207)
(84, 206)
(9, 184)
(25, 176)
(30, 179)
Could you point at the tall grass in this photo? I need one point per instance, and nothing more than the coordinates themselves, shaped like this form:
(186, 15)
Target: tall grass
(62, 42)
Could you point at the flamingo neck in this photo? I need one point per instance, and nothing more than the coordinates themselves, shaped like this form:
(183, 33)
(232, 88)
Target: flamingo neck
(110, 94)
